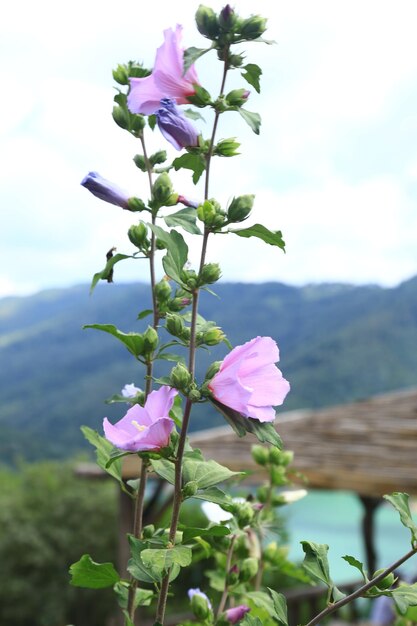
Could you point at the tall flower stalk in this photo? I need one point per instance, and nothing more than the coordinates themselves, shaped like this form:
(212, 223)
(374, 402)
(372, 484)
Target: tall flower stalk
(246, 387)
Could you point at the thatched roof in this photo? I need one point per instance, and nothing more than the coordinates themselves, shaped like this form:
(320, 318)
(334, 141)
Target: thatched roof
(368, 446)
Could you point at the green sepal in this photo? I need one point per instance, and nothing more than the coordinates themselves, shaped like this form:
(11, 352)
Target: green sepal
(191, 55)
(106, 273)
(400, 502)
(252, 119)
(86, 573)
(317, 565)
(134, 342)
(272, 237)
(186, 219)
(264, 431)
(191, 161)
(152, 121)
(252, 75)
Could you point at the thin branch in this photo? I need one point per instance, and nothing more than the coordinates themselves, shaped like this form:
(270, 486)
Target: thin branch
(359, 592)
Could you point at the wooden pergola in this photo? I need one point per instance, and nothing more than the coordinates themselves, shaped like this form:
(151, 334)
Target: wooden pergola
(368, 447)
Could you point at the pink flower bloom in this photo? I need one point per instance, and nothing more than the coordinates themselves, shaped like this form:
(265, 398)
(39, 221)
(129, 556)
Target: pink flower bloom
(249, 382)
(167, 79)
(144, 428)
(237, 613)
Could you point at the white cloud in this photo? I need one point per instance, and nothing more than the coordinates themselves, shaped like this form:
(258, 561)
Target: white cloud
(338, 69)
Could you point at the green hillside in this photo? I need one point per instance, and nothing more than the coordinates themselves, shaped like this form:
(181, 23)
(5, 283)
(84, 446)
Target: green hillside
(337, 342)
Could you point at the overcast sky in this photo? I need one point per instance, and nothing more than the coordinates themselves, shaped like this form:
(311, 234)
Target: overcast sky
(335, 166)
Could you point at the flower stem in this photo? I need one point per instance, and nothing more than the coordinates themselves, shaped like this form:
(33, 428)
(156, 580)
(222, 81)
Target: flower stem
(140, 496)
(137, 530)
(176, 507)
(359, 592)
(216, 121)
(225, 593)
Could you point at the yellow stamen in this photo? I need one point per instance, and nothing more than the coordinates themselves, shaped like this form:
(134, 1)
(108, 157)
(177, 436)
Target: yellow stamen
(138, 426)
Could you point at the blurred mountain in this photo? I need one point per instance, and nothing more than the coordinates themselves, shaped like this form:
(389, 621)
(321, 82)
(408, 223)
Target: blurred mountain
(338, 343)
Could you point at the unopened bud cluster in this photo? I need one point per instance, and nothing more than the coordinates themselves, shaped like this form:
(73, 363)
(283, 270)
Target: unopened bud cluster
(211, 214)
(162, 192)
(228, 27)
(276, 462)
(166, 301)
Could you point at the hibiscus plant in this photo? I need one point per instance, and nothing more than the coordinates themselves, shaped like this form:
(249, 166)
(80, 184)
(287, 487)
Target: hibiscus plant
(245, 387)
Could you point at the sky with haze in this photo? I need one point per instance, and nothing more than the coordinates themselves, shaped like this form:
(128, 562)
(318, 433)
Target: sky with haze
(334, 168)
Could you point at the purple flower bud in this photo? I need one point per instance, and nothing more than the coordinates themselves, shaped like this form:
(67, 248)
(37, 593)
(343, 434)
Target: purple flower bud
(174, 126)
(226, 13)
(237, 613)
(105, 190)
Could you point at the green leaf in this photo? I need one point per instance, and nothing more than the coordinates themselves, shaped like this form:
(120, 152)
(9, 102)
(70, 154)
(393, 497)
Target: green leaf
(186, 219)
(262, 600)
(317, 565)
(206, 473)
(177, 252)
(170, 356)
(106, 273)
(400, 502)
(264, 431)
(355, 563)
(212, 531)
(193, 115)
(115, 455)
(404, 596)
(280, 607)
(252, 119)
(104, 451)
(144, 313)
(143, 597)
(216, 495)
(165, 469)
(135, 566)
(273, 237)
(87, 573)
(159, 561)
(191, 161)
(250, 620)
(252, 75)
(191, 55)
(132, 341)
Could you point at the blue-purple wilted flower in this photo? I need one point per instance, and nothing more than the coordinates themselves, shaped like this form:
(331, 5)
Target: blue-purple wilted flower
(105, 190)
(174, 126)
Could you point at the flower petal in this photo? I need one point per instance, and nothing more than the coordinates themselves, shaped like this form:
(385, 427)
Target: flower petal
(159, 403)
(117, 436)
(144, 96)
(156, 436)
(268, 385)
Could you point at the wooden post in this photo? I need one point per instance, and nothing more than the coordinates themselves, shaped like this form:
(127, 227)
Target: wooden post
(370, 504)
